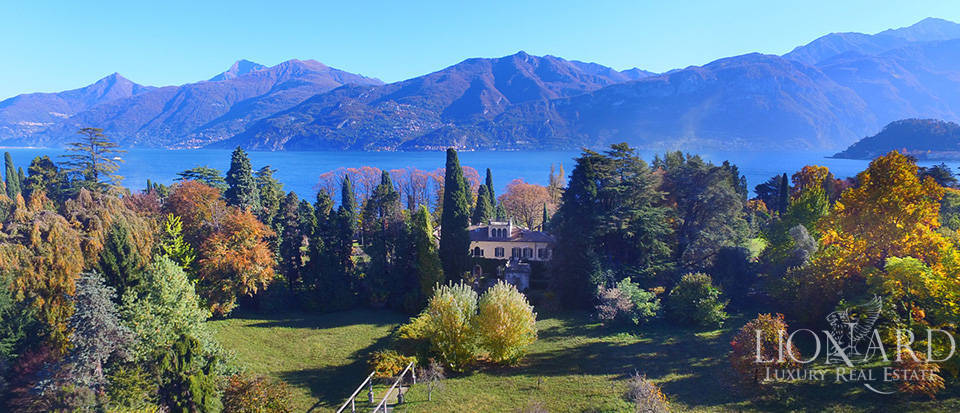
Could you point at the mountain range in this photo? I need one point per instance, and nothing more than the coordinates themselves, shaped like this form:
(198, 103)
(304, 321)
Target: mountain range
(820, 96)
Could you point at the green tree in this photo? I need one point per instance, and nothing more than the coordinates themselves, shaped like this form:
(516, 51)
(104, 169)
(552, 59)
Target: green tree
(348, 205)
(186, 381)
(505, 323)
(205, 174)
(120, 262)
(450, 319)
(383, 229)
(92, 161)
(12, 179)
(241, 186)
(695, 301)
(270, 192)
(428, 267)
(491, 194)
(173, 246)
(454, 237)
(483, 211)
(43, 176)
(291, 257)
(783, 195)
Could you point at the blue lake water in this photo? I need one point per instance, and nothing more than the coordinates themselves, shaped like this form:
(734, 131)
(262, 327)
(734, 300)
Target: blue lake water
(299, 171)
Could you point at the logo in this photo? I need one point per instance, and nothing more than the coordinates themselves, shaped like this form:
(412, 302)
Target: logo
(851, 350)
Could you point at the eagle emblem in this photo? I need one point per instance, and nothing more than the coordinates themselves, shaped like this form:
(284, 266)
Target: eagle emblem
(850, 326)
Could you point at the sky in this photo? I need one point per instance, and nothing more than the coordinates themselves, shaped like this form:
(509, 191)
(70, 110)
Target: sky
(51, 46)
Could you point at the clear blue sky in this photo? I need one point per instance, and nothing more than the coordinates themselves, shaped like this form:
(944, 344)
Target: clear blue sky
(51, 46)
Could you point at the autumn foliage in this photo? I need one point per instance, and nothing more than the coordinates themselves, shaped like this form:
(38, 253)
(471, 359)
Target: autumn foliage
(761, 337)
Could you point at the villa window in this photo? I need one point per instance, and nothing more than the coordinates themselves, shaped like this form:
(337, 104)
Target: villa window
(498, 252)
(516, 252)
(528, 253)
(543, 253)
(477, 252)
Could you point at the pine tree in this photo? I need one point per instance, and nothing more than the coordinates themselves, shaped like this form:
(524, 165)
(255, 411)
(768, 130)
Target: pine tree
(291, 241)
(119, 262)
(783, 195)
(428, 267)
(270, 192)
(97, 332)
(454, 237)
(241, 186)
(546, 217)
(12, 179)
(382, 222)
(205, 174)
(92, 161)
(483, 211)
(173, 246)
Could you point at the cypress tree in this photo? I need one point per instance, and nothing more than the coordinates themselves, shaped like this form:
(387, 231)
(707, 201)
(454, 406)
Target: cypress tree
(348, 203)
(241, 186)
(454, 237)
(543, 222)
(491, 194)
(783, 200)
(21, 178)
(429, 269)
(10, 172)
(483, 210)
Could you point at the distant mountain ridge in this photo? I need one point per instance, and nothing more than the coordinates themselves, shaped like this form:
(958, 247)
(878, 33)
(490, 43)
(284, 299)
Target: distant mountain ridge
(926, 139)
(823, 95)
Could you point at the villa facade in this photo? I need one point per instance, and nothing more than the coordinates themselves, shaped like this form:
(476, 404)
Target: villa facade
(501, 240)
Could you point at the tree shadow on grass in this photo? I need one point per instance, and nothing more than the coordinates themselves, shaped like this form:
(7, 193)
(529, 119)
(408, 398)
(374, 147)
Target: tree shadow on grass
(331, 385)
(377, 318)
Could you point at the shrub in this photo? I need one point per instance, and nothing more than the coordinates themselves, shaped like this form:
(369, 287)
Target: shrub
(450, 315)
(917, 376)
(506, 323)
(645, 395)
(255, 394)
(695, 301)
(388, 363)
(743, 358)
(433, 376)
(626, 302)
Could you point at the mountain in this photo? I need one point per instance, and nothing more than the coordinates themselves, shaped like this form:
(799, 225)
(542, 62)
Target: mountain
(25, 114)
(922, 138)
(834, 44)
(637, 73)
(199, 113)
(239, 68)
(449, 101)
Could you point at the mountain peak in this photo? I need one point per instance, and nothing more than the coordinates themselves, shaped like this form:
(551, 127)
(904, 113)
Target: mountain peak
(928, 29)
(239, 68)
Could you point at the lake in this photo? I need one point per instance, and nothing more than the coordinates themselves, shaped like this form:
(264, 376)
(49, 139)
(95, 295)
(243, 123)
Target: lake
(298, 171)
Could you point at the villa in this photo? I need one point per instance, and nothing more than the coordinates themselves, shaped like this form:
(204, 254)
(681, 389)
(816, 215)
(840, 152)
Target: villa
(515, 247)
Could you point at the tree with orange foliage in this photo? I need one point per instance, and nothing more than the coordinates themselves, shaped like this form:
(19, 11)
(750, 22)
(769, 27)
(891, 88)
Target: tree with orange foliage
(41, 254)
(524, 202)
(234, 256)
(761, 338)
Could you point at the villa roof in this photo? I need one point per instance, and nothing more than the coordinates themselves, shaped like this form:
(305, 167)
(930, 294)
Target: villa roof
(480, 233)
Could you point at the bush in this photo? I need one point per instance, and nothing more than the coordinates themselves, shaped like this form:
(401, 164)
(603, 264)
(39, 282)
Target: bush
(255, 394)
(388, 363)
(743, 358)
(450, 315)
(645, 395)
(695, 301)
(506, 323)
(626, 302)
(917, 376)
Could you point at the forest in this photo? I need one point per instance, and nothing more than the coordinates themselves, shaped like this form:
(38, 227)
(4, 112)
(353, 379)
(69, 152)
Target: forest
(107, 290)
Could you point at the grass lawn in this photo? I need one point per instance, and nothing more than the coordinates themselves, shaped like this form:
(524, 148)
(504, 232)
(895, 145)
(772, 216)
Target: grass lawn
(576, 365)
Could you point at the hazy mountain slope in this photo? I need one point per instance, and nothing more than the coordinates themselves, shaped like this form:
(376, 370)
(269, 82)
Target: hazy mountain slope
(28, 113)
(922, 138)
(463, 95)
(749, 102)
(239, 68)
(199, 113)
(833, 44)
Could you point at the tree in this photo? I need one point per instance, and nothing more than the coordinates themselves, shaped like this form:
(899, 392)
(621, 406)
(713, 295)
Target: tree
(163, 308)
(626, 301)
(18, 322)
(245, 393)
(488, 181)
(428, 267)
(505, 323)
(433, 375)
(383, 234)
(769, 192)
(270, 193)
(758, 341)
(555, 184)
(291, 252)
(695, 301)
(92, 161)
(783, 195)
(97, 335)
(205, 174)
(12, 180)
(173, 246)
(234, 261)
(241, 186)
(348, 205)
(120, 261)
(454, 237)
(483, 211)
(43, 176)
(186, 381)
(940, 173)
(524, 201)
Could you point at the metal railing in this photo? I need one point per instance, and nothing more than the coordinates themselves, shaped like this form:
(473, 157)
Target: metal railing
(383, 403)
(353, 397)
